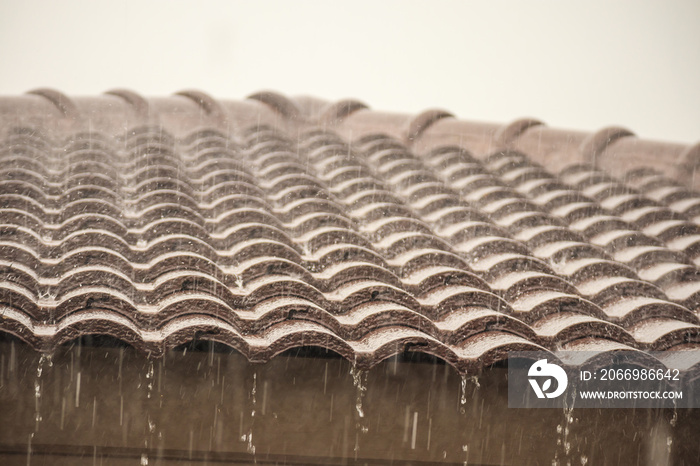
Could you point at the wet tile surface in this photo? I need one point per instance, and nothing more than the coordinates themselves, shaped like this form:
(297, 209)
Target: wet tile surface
(289, 232)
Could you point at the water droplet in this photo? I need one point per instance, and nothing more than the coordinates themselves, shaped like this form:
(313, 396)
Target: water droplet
(674, 419)
(42, 360)
(475, 381)
(149, 377)
(250, 446)
(144, 459)
(465, 449)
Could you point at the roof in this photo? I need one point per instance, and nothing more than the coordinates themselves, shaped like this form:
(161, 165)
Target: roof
(272, 223)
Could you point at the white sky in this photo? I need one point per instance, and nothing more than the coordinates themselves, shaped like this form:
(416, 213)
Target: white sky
(582, 64)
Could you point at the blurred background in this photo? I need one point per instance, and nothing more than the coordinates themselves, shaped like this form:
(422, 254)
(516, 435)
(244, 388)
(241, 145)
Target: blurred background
(579, 64)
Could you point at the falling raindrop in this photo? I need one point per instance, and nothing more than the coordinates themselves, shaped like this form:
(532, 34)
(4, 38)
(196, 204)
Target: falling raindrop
(415, 430)
(121, 363)
(430, 431)
(149, 377)
(13, 357)
(63, 411)
(463, 394)
(674, 419)
(264, 401)
(325, 379)
(94, 410)
(29, 449)
(406, 423)
(77, 390)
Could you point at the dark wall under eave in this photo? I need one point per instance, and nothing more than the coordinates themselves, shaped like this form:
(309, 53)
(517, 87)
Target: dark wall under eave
(111, 405)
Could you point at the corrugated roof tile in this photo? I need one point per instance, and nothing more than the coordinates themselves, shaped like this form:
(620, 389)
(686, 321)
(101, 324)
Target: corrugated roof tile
(274, 223)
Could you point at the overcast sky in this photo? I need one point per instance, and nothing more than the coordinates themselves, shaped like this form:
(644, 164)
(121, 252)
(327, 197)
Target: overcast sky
(581, 65)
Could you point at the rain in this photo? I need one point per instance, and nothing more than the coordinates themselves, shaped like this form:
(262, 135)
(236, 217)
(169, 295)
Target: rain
(246, 276)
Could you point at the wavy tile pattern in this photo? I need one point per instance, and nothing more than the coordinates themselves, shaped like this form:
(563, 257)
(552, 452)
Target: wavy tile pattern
(267, 239)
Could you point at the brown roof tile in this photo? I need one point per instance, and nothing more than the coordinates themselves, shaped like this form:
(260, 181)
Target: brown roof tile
(273, 223)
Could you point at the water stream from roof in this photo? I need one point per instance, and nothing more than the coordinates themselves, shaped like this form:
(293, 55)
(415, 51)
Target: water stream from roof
(248, 437)
(359, 381)
(563, 434)
(463, 387)
(44, 359)
(463, 397)
(463, 393)
(151, 426)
